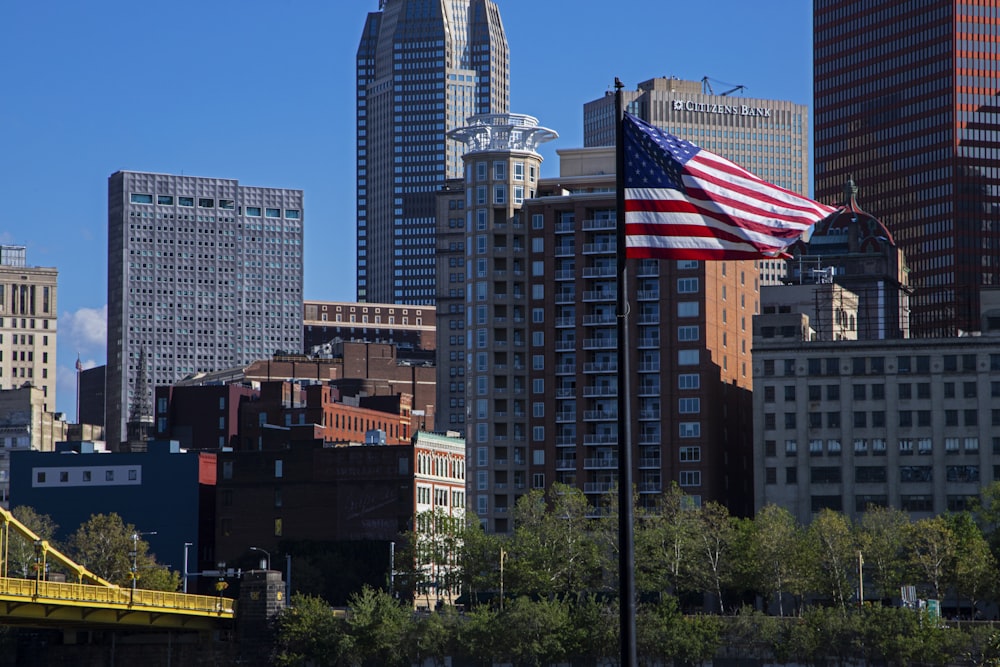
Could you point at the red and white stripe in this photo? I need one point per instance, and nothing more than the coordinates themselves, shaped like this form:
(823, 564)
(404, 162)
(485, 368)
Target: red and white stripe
(727, 213)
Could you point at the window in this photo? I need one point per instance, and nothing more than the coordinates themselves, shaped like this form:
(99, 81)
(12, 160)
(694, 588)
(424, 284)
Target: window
(499, 171)
(204, 202)
(137, 198)
(227, 204)
(272, 212)
(690, 478)
(538, 480)
(165, 200)
(278, 468)
(538, 434)
(690, 429)
(109, 475)
(791, 448)
(688, 333)
(689, 381)
(687, 309)
(687, 285)
(185, 201)
(253, 211)
(690, 454)
(293, 213)
(687, 357)
(687, 406)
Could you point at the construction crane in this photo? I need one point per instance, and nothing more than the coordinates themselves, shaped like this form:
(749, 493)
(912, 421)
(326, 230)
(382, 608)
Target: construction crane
(706, 87)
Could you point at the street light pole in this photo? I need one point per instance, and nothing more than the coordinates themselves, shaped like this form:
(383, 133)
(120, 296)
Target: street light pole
(266, 553)
(186, 545)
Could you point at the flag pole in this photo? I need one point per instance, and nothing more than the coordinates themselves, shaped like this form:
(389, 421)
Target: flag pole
(626, 527)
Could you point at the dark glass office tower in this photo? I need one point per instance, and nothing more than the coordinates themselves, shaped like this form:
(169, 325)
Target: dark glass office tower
(906, 102)
(424, 68)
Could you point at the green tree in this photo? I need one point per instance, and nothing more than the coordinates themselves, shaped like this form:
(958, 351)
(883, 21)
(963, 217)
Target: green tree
(21, 550)
(597, 627)
(832, 556)
(481, 636)
(480, 559)
(435, 636)
(541, 631)
(932, 553)
(663, 634)
(378, 627)
(307, 633)
(665, 544)
(552, 552)
(975, 567)
(104, 545)
(774, 552)
(883, 535)
(714, 539)
(436, 553)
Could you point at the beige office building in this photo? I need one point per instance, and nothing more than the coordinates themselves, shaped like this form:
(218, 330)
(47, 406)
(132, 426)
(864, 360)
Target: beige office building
(768, 137)
(28, 318)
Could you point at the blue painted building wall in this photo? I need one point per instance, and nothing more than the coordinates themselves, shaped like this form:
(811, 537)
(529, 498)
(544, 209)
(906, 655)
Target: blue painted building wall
(165, 489)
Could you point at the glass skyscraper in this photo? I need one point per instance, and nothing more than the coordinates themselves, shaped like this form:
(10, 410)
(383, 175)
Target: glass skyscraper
(906, 102)
(423, 68)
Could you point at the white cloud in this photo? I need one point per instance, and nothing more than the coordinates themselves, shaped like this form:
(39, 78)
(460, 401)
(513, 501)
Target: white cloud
(85, 330)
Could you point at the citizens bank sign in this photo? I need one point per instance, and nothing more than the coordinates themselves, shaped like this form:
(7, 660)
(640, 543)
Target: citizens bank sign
(724, 109)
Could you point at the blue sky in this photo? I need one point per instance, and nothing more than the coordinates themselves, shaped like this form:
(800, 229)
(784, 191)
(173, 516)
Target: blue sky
(263, 92)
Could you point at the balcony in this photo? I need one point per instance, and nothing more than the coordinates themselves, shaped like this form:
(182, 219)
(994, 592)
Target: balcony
(654, 462)
(562, 322)
(649, 366)
(565, 417)
(566, 369)
(600, 415)
(600, 392)
(601, 463)
(649, 390)
(600, 295)
(600, 248)
(649, 343)
(607, 343)
(600, 225)
(565, 464)
(600, 367)
(563, 392)
(602, 318)
(650, 439)
(565, 274)
(648, 295)
(597, 487)
(568, 296)
(565, 345)
(565, 440)
(565, 250)
(564, 227)
(649, 415)
(650, 487)
(599, 272)
(649, 318)
(600, 439)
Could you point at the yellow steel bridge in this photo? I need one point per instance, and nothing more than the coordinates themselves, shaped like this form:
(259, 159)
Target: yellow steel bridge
(92, 601)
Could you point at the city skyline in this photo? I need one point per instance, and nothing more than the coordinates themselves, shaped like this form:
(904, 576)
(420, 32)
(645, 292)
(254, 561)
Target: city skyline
(119, 88)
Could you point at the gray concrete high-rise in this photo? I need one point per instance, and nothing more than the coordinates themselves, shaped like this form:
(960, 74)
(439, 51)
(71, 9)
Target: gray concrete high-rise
(423, 68)
(203, 273)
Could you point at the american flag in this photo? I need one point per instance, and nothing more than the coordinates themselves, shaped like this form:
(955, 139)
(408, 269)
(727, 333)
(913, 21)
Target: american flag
(682, 202)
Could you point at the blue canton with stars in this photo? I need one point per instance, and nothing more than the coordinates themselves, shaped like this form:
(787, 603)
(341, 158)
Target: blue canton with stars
(654, 158)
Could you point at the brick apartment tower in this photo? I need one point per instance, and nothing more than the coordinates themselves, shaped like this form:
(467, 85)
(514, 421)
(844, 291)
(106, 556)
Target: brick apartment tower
(484, 275)
(905, 100)
(424, 67)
